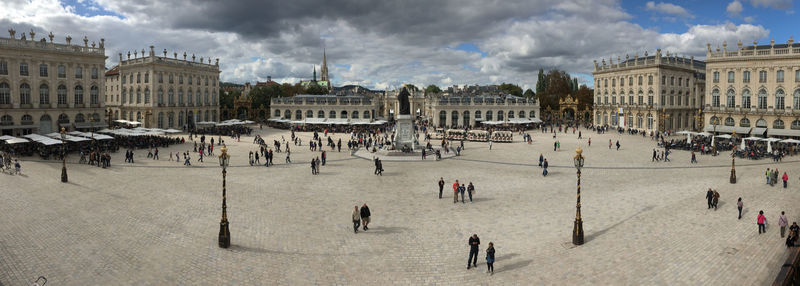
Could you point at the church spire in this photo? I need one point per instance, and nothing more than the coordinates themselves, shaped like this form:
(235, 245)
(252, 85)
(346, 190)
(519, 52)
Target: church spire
(315, 73)
(324, 69)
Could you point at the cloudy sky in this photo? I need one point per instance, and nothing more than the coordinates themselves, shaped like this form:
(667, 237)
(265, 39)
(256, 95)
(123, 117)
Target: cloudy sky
(382, 44)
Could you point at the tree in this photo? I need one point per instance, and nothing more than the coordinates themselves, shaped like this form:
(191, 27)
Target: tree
(541, 82)
(585, 96)
(528, 93)
(316, 89)
(226, 99)
(511, 88)
(412, 87)
(575, 85)
(432, 89)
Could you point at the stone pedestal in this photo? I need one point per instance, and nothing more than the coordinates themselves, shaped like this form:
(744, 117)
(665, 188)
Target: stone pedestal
(404, 133)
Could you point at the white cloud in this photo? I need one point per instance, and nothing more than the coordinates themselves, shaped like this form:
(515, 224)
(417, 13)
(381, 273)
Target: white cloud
(734, 8)
(669, 9)
(749, 19)
(774, 4)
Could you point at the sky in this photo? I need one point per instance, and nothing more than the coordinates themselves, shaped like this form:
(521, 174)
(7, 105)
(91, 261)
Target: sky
(383, 44)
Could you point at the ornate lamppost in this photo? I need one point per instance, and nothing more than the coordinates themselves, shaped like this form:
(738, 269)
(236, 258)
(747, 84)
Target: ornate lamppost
(733, 168)
(224, 232)
(577, 229)
(63, 155)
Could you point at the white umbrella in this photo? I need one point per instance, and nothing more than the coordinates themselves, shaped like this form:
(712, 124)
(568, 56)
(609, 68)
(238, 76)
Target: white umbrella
(688, 138)
(724, 136)
(684, 132)
(790, 141)
(743, 145)
(769, 146)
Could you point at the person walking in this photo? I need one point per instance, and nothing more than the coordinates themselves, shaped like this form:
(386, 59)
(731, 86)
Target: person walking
(655, 155)
(313, 166)
(785, 179)
(739, 205)
(762, 222)
(490, 145)
(710, 197)
(783, 222)
(441, 186)
(609, 144)
(470, 190)
(455, 192)
(716, 200)
(694, 158)
(365, 216)
(474, 242)
(541, 159)
(490, 259)
(356, 216)
(768, 176)
(461, 190)
(155, 155)
(618, 145)
(545, 165)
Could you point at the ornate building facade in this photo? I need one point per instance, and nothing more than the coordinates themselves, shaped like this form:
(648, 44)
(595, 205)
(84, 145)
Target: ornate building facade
(164, 92)
(649, 93)
(45, 85)
(754, 89)
(466, 111)
(304, 106)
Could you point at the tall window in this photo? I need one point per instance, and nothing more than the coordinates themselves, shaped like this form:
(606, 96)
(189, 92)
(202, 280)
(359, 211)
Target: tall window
(180, 97)
(622, 81)
(138, 96)
(94, 95)
(180, 79)
(731, 98)
(715, 98)
(630, 98)
(613, 82)
(189, 96)
(762, 76)
(746, 77)
(780, 99)
(171, 80)
(762, 99)
(731, 77)
(138, 77)
(44, 94)
(146, 96)
(62, 71)
(746, 99)
(630, 81)
(672, 80)
(170, 97)
(61, 94)
(161, 80)
(214, 101)
(78, 72)
(24, 93)
(160, 96)
(123, 78)
(650, 98)
(716, 77)
(796, 99)
(78, 94)
(94, 73)
(23, 69)
(43, 70)
(797, 76)
(613, 98)
(650, 80)
(663, 80)
(123, 97)
(779, 76)
(3, 68)
(605, 83)
(641, 98)
(5, 93)
(640, 80)
(146, 77)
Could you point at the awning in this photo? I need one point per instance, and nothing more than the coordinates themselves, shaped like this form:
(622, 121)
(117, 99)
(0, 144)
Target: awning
(758, 131)
(18, 126)
(14, 140)
(783, 132)
(82, 125)
(728, 129)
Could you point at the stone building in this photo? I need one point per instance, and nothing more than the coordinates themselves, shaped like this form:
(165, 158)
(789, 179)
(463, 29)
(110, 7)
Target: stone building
(44, 85)
(305, 106)
(750, 87)
(465, 111)
(649, 93)
(163, 92)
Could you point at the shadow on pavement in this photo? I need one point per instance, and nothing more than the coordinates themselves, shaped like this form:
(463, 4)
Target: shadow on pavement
(594, 235)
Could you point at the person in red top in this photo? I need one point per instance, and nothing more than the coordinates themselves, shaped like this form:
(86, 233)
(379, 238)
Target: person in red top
(762, 222)
(455, 192)
(785, 178)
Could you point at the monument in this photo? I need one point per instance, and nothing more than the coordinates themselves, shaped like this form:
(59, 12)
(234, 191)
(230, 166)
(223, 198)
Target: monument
(404, 138)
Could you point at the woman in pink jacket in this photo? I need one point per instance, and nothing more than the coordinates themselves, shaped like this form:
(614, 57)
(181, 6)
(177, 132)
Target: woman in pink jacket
(762, 221)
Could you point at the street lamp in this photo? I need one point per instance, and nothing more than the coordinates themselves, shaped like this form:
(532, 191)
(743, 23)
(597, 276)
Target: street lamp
(577, 229)
(733, 167)
(224, 232)
(63, 155)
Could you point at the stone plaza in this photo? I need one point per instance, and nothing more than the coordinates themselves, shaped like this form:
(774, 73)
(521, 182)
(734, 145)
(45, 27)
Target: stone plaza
(156, 222)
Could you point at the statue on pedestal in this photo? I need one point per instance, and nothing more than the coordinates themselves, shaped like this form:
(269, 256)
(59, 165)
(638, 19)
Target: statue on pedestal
(405, 106)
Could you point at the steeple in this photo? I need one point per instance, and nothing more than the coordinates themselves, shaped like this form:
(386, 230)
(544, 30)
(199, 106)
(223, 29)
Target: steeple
(315, 73)
(324, 69)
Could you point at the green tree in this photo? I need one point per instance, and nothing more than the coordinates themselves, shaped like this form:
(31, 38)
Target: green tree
(412, 87)
(226, 99)
(541, 82)
(528, 93)
(432, 89)
(511, 88)
(316, 89)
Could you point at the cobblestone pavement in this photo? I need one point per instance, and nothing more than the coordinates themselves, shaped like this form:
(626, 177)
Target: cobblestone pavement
(156, 222)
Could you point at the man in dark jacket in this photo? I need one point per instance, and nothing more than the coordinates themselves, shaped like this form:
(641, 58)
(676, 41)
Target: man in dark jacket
(710, 197)
(474, 242)
(365, 216)
(441, 186)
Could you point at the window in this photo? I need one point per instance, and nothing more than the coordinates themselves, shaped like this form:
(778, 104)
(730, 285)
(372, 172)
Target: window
(780, 99)
(332, 114)
(605, 83)
(744, 122)
(778, 124)
(630, 120)
(622, 99)
(641, 98)
(214, 83)
(78, 72)
(94, 95)
(663, 80)
(138, 77)
(147, 77)
(650, 98)
(746, 99)
(613, 98)
(796, 99)
(44, 94)
(62, 71)
(762, 99)
(714, 120)
(138, 96)
(680, 81)
(731, 77)
(622, 81)
(78, 94)
(641, 80)
(214, 98)
(130, 79)
(5, 93)
(716, 77)
(189, 78)
(206, 81)
(762, 76)
(160, 96)
(650, 80)
(61, 94)
(746, 77)
(715, 98)
(198, 80)
(43, 70)
(94, 73)
(161, 120)
(124, 97)
(731, 96)
(613, 82)
(146, 96)
(779, 76)
(180, 97)
(3, 68)
(6, 120)
(630, 98)
(605, 99)
(630, 81)
(23, 69)
(161, 80)
(189, 96)
(123, 79)
(205, 98)
(171, 81)
(672, 80)
(24, 93)
(170, 97)
(796, 76)
(796, 124)
(729, 121)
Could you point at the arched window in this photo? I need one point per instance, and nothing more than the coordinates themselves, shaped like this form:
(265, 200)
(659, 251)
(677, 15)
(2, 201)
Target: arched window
(605, 118)
(320, 114)
(287, 114)
(442, 118)
(354, 114)
(640, 100)
(276, 113)
(778, 124)
(650, 98)
(780, 99)
(531, 114)
(170, 115)
(5, 93)
(6, 120)
(729, 121)
(44, 94)
(796, 124)
(746, 98)
(731, 98)
(343, 114)
(488, 115)
(199, 100)
(205, 98)
(744, 122)
(761, 123)
(309, 114)
(365, 115)
(630, 120)
(180, 113)
(189, 96)
(78, 94)
(27, 119)
(796, 99)
(598, 118)
(61, 94)
(762, 99)
(94, 95)
(715, 98)
(298, 114)
(79, 118)
(332, 114)
(649, 121)
(24, 93)
(63, 119)
(510, 114)
(630, 96)
(500, 115)
(639, 117)
(613, 98)
(714, 120)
